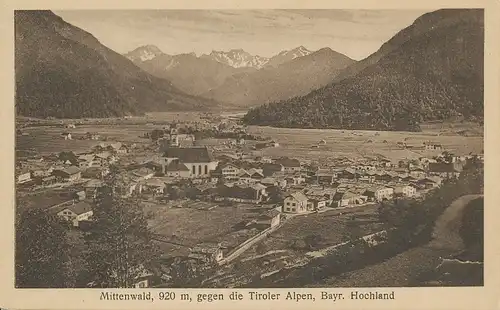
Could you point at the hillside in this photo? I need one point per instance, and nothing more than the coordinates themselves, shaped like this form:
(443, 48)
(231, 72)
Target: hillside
(293, 78)
(432, 70)
(63, 71)
(191, 74)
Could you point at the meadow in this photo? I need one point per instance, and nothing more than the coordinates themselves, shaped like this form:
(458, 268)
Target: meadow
(190, 226)
(304, 143)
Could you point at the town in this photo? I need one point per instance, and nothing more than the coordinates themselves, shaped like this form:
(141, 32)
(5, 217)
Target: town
(243, 197)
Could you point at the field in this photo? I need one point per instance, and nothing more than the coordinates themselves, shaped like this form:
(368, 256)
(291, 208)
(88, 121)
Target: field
(283, 247)
(190, 226)
(43, 199)
(45, 140)
(352, 143)
(460, 138)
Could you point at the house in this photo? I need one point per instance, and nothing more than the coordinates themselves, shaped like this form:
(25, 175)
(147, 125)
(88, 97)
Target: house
(418, 172)
(405, 191)
(66, 136)
(23, 176)
(348, 173)
(243, 192)
(80, 195)
(228, 157)
(269, 181)
(289, 165)
(384, 163)
(45, 181)
(177, 169)
(408, 178)
(295, 180)
(118, 148)
(40, 173)
(144, 279)
(433, 146)
(326, 176)
(143, 173)
(445, 170)
(382, 176)
(244, 176)
(270, 218)
(196, 159)
(76, 213)
(230, 172)
(104, 159)
(369, 176)
(256, 174)
(95, 173)
(430, 182)
(379, 193)
(69, 174)
(318, 202)
(295, 203)
(91, 188)
(92, 136)
(271, 168)
(366, 167)
(154, 186)
(348, 198)
(207, 253)
(87, 160)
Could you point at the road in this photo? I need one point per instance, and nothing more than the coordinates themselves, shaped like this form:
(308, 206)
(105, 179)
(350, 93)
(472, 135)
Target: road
(446, 234)
(402, 269)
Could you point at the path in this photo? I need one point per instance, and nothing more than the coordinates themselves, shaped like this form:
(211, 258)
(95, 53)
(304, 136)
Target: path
(402, 269)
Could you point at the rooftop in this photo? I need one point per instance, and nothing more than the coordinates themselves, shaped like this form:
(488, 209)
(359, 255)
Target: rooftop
(176, 165)
(189, 154)
(299, 196)
(78, 208)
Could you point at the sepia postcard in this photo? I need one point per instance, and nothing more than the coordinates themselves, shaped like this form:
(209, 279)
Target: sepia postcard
(217, 155)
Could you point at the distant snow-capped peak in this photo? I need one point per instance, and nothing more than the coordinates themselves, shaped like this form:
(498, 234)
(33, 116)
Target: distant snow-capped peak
(238, 58)
(144, 53)
(296, 52)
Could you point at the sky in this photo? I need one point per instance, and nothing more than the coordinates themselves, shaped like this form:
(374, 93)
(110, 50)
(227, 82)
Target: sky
(355, 33)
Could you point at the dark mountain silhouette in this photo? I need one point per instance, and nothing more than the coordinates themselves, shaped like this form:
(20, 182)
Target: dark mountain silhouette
(431, 70)
(63, 71)
(293, 78)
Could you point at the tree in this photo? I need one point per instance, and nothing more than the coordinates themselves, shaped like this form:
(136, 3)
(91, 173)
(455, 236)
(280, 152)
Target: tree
(157, 134)
(313, 241)
(42, 250)
(352, 230)
(119, 242)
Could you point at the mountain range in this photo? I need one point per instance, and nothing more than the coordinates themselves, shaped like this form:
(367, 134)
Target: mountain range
(296, 77)
(431, 70)
(241, 80)
(63, 71)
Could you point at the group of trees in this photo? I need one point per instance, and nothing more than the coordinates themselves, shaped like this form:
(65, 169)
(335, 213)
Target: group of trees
(436, 76)
(413, 220)
(408, 223)
(116, 247)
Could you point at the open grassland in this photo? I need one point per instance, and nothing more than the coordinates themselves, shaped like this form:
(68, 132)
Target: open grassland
(300, 143)
(282, 247)
(330, 226)
(45, 140)
(189, 226)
